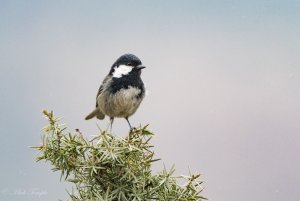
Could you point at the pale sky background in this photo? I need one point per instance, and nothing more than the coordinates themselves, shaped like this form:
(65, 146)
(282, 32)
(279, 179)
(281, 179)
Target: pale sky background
(223, 80)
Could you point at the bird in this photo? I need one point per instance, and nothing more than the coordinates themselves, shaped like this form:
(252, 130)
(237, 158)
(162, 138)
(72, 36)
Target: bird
(121, 91)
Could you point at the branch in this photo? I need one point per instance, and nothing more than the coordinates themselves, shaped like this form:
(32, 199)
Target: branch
(112, 168)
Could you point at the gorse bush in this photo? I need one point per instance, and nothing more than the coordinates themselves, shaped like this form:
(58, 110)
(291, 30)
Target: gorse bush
(111, 168)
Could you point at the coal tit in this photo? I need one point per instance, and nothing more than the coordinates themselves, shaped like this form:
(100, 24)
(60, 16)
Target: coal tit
(122, 90)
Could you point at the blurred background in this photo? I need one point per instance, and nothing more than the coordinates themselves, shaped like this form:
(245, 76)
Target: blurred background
(223, 81)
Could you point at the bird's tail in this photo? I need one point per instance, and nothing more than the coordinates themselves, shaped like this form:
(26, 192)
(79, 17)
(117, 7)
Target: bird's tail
(96, 112)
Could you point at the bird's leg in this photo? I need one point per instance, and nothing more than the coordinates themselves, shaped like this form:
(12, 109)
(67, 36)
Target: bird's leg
(128, 123)
(111, 123)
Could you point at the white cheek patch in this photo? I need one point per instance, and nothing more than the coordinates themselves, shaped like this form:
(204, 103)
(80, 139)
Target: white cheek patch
(122, 70)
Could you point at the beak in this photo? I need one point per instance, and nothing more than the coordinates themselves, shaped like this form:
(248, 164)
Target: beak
(140, 67)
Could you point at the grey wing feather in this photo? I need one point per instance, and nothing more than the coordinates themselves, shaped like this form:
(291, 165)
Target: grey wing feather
(96, 112)
(99, 92)
(101, 88)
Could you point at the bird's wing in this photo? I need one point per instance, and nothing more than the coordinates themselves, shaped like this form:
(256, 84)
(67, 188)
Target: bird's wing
(101, 88)
(99, 92)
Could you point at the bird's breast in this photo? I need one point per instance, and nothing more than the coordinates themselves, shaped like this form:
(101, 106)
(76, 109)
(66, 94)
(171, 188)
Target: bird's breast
(121, 103)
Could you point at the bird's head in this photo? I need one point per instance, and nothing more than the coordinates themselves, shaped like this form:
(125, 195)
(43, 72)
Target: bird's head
(126, 64)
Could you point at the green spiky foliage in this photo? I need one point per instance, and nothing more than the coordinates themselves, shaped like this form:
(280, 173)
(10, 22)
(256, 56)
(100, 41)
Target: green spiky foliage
(111, 168)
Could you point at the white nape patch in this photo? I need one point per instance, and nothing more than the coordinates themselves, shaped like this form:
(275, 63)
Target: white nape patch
(147, 92)
(121, 70)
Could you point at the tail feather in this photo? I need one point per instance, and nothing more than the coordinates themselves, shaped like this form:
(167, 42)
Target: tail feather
(95, 113)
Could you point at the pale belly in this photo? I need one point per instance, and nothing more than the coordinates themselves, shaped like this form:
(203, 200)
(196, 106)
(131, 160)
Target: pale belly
(123, 103)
